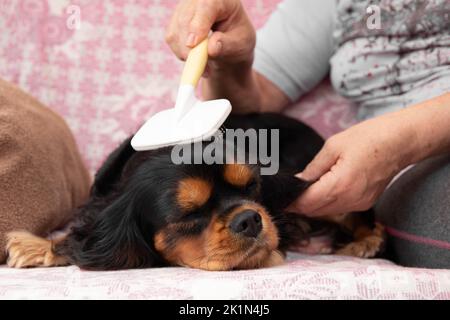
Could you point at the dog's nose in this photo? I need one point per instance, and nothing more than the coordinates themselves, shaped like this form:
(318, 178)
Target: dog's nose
(247, 223)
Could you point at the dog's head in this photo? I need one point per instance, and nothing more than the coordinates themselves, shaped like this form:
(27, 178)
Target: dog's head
(149, 211)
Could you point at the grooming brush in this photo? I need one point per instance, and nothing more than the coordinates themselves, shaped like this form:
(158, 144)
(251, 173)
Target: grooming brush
(191, 120)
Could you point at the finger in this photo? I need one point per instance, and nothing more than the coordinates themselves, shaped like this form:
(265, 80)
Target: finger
(174, 38)
(215, 44)
(321, 164)
(180, 51)
(333, 208)
(213, 15)
(230, 44)
(318, 195)
(224, 44)
(340, 193)
(344, 204)
(204, 17)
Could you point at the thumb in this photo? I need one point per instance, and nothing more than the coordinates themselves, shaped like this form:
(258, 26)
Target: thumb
(235, 43)
(320, 165)
(216, 44)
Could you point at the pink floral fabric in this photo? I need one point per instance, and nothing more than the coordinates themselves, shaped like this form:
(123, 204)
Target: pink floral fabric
(303, 277)
(105, 78)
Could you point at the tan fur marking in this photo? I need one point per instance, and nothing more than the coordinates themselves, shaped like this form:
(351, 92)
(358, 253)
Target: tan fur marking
(159, 241)
(192, 193)
(368, 243)
(238, 175)
(274, 259)
(27, 250)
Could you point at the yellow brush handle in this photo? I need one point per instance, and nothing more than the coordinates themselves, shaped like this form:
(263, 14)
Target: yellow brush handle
(195, 64)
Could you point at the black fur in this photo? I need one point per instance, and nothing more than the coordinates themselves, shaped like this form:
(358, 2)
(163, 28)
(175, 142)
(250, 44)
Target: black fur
(132, 198)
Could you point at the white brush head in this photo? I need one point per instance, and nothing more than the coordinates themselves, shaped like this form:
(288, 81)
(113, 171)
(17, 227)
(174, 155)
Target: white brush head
(166, 129)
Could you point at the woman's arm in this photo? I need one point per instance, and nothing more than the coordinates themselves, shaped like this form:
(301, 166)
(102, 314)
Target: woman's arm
(429, 123)
(355, 166)
(247, 90)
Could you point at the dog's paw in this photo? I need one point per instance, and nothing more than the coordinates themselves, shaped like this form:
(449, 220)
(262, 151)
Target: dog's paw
(27, 250)
(274, 259)
(315, 245)
(367, 247)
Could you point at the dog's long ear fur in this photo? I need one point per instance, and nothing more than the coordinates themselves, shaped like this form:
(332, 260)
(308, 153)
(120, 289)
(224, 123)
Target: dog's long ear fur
(107, 232)
(111, 170)
(111, 239)
(280, 190)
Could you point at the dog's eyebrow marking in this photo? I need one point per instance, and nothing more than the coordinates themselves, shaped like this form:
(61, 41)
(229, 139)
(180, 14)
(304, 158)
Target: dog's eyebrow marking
(193, 192)
(238, 175)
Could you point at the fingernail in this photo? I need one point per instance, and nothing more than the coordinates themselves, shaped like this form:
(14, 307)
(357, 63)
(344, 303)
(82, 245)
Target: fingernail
(299, 175)
(190, 42)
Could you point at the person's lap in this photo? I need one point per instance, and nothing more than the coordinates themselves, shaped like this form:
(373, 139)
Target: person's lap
(416, 212)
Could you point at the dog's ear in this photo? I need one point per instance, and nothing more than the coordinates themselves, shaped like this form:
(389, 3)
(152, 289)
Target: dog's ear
(112, 240)
(280, 190)
(110, 172)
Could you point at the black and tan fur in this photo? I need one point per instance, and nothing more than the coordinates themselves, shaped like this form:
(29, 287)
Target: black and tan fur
(144, 211)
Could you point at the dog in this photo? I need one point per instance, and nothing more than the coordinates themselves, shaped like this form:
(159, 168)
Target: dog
(145, 211)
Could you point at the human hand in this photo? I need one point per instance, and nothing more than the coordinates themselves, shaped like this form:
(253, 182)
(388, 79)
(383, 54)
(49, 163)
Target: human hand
(355, 166)
(232, 41)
